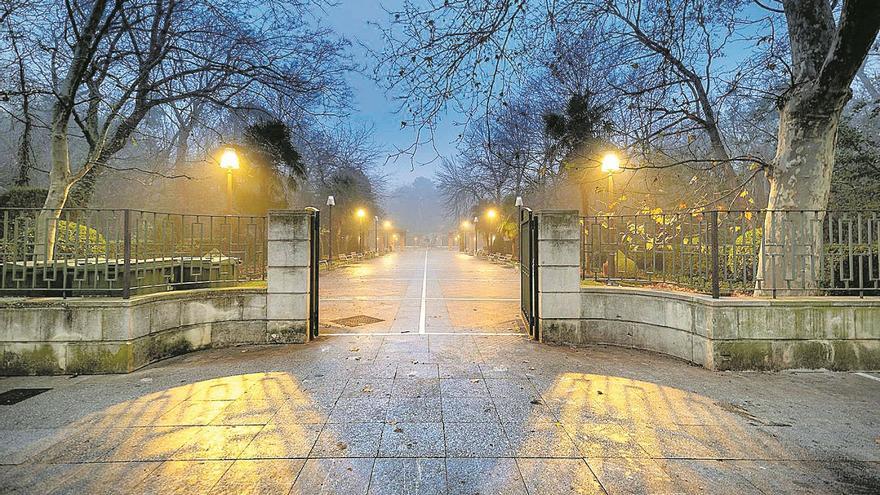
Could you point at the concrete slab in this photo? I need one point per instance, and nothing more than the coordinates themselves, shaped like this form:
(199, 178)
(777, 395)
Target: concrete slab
(409, 476)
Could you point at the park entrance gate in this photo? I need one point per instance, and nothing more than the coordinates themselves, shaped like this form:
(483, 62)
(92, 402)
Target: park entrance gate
(528, 261)
(314, 269)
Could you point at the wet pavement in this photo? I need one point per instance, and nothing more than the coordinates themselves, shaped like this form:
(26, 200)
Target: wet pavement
(383, 409)
(432, 291)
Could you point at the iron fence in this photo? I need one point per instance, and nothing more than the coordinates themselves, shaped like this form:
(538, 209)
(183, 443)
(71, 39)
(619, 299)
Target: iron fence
(729, 252)
(119, 252)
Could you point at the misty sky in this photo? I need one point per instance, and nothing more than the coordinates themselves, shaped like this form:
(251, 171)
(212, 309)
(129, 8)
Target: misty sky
(372, 107)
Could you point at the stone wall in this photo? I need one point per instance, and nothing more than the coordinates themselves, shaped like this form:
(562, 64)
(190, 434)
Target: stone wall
(731, 333)
(734, 333)
(111, 335)
(46, 336)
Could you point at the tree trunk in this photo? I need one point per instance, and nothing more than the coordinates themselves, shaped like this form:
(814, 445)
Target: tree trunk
(24, 146)
(59, 188)
(81, 194)
(60, 180)
(800, 183)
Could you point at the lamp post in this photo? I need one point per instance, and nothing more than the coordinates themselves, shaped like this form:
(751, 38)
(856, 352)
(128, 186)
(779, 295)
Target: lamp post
(465, 226)
(491, 215)
(331, 202)
(376, 232)
(387, 226)
(229, 162)
(476, 240)
(361, 213)
(611, 164)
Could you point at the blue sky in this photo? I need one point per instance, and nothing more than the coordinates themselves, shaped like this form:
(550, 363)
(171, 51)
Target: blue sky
(372, 106)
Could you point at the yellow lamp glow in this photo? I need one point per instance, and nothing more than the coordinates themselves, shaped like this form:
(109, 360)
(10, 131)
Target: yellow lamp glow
(229, 159)
(387, 224)
(465, 225)
(492, 213)
(361, 213)
(610, 163)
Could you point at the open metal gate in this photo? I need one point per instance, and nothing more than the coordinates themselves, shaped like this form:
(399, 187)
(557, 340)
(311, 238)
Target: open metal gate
(314, 268)
(528, 262)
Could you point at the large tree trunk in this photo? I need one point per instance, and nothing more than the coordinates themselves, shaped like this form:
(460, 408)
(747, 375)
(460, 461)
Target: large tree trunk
(24, 146)
(59, 188)
(800, 183)
(81, 194)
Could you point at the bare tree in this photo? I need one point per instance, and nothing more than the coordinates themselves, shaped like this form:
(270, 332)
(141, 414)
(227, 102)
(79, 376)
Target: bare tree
(458, 52)
(114, 61)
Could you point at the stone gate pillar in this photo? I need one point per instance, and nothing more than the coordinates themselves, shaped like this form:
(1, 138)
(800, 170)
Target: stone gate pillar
(559, 281)
(287, 296)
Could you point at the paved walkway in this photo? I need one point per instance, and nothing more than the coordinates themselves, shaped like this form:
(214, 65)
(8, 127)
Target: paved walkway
(443, 413)
(431, 291)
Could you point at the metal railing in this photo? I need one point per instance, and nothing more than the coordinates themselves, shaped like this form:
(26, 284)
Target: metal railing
(728, 253)
(120, 252)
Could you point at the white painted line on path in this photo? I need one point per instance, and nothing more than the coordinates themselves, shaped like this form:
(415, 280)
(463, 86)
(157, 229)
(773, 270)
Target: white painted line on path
(424, 294)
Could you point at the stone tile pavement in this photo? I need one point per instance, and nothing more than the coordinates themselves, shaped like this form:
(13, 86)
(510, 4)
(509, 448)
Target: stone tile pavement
(450, 414)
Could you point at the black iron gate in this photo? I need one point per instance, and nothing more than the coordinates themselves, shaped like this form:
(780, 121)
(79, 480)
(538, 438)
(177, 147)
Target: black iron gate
(528, 262)
(314, 268)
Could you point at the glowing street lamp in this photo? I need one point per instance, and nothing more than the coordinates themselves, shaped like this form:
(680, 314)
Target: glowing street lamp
(229, 162)
(229, 159)
(387, 226)
(491, 214)
(610, 165)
